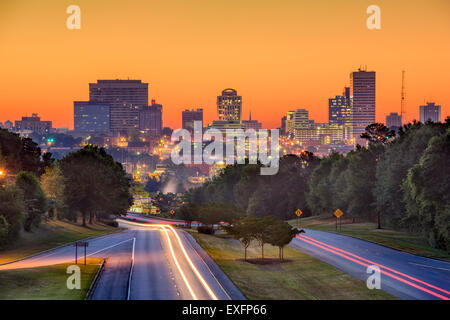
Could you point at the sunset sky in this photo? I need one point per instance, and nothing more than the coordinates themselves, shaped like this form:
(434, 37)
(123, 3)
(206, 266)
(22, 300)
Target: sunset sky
(279, 55)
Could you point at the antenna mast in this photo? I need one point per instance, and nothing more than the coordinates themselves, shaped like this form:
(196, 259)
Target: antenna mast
(402, 102)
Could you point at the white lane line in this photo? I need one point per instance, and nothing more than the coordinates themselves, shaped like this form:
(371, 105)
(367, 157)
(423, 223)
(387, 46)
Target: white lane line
(131, 269)
(210, 271)
(178, 265)
(112, 246)
(424, 265)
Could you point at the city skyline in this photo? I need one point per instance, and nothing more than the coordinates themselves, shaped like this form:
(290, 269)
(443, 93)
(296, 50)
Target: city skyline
(276, 67)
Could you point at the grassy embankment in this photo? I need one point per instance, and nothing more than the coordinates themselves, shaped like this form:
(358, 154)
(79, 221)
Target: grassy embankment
(300, 278)
(49, 235)
(404, 241)
(46, 283)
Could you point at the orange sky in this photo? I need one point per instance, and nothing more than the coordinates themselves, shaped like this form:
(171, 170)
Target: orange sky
(279, 55)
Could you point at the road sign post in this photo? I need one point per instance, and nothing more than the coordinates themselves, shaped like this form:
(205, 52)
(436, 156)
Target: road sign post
(298, 213)
(338, 214)
(80, 244)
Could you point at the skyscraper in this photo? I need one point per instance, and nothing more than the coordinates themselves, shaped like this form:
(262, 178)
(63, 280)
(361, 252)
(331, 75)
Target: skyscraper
(229, 106)
(91, 116)
(150, 119)
(431, 112)
(125, 98)
(393, 120)
(189, 116)
(363, 104)
(339, 112)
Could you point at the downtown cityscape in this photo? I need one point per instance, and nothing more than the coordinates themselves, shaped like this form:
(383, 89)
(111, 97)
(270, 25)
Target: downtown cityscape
(268, 153)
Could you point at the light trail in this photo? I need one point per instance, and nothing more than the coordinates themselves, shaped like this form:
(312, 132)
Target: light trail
(191, 264)
(382, 271)
(380, 265)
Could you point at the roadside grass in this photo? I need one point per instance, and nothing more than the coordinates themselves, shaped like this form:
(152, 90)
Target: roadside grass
(50, 234)
(302, 278)
(46, 283)
(404, 241)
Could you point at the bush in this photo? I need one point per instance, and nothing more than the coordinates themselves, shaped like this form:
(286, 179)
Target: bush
(206, 229)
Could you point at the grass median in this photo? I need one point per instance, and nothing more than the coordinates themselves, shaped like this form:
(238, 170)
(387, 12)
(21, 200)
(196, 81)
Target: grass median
(49, 235)
(46, 283)
(300, 278)
(404, 241)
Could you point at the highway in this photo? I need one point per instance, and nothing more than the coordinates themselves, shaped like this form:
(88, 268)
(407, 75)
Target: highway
(146, 262)
(403, 275)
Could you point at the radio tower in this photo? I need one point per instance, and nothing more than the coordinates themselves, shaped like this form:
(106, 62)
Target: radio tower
(402, 102)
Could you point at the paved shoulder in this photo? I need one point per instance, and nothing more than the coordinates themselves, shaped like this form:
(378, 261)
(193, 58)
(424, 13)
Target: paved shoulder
(227, 285)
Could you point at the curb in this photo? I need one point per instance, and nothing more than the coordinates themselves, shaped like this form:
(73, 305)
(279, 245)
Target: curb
(58, 247)
(95, 281)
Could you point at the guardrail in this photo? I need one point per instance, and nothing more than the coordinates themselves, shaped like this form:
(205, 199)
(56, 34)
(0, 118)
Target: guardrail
(95, 281)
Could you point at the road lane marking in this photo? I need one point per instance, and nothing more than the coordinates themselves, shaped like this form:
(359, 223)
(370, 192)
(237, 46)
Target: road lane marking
(383, 271)
(380, 265)
(114, 245)
(426, 266)
(131, 269)
(205, 285)
(197, 273)
(178, 265)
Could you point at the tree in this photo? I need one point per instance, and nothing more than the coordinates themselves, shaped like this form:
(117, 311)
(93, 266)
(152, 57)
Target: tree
(242, 231)
(153, 185)
(427, 192)
(13, 210)
(281, 234)
(53, 183)
(34, 196)
(378, 133)
(95, 183)
(188, 212)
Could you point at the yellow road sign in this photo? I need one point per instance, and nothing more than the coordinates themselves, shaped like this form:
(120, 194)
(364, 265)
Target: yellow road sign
(172, 211)
(298, 212)
(338, 213)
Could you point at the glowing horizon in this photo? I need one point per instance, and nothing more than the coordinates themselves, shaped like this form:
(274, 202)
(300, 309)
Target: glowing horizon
(279, 56)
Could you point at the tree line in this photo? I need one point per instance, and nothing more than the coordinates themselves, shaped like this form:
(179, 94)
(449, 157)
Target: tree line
(87, 183)
(400, 180)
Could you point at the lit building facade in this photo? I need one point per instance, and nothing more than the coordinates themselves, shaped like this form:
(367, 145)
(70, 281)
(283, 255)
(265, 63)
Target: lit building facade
(91, 116)
(33, 124)
(363, 101)
(339, 112)
(189, 116)
(125, 98)
(430, 112)
(393, 120)
(150, 119)
(229, 106)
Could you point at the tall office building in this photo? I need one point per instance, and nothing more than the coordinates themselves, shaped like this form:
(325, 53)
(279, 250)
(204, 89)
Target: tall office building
(150, 119)
(363, 103)
(229, 106)
(91, 116)
(339, 112)
(430, 112)
(290, 123)
(301, 119)
(393, 120)
(34, 124)
(125, 98)
(283, 126)
(189, 116)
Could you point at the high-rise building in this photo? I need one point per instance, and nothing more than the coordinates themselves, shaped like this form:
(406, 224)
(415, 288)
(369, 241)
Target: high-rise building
(125, 98)
(189, 116)
(34, 124)
(290, 123)
(91, 116)
(363, 103)
(283, 126)
(229, 106)
(339, 112)
(150, 119)
(301, 119)
(430, 112)
(393, 120)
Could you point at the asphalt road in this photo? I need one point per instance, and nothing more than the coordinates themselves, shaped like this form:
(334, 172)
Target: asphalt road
(403, 275)
(146, 262)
